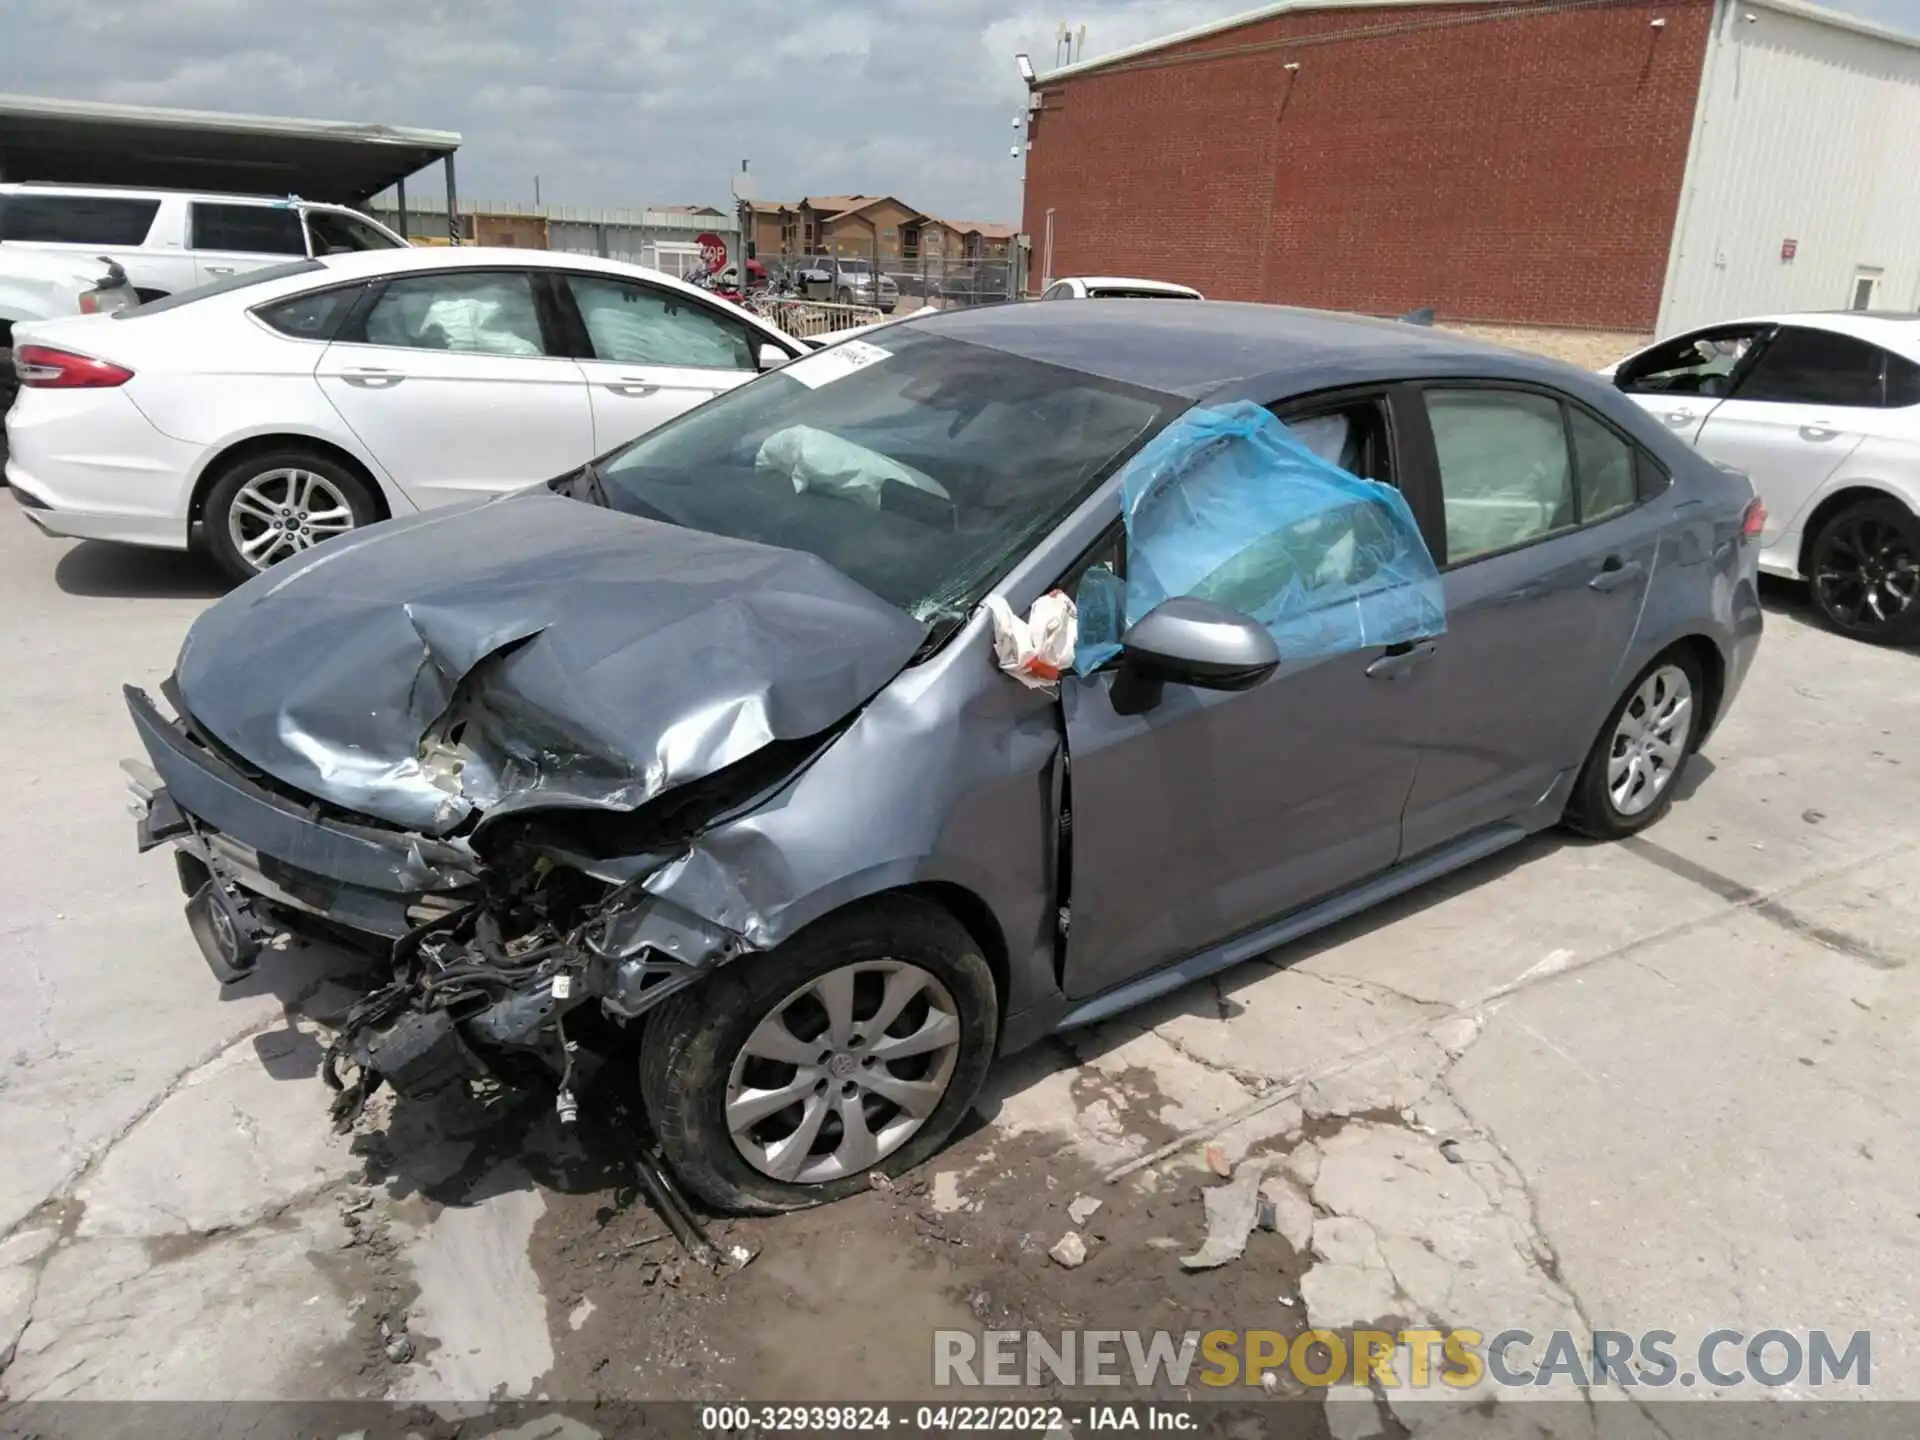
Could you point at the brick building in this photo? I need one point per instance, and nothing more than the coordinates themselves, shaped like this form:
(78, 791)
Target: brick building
(1615, 166)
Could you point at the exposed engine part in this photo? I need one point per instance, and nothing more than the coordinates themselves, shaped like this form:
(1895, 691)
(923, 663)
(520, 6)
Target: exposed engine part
(420, 1053)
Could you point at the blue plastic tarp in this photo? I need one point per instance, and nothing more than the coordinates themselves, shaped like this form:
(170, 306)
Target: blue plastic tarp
(1227, 504)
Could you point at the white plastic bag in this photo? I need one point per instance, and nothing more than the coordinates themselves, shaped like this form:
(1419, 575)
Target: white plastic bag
(1037, 649)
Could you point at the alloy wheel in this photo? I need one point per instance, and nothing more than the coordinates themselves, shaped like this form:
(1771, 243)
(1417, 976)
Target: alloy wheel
(1650, 740)
(283, 511)
(843, 1071)
(1865, 573)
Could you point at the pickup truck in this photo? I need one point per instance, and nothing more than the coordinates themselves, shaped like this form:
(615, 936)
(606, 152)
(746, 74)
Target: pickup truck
(169, 240)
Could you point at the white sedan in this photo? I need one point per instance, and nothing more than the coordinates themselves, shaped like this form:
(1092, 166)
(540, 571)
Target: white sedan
(1823, 412)
(294, 403)
(1117, 287)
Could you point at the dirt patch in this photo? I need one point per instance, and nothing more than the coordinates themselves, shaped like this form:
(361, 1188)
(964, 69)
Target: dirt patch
(841, 1303)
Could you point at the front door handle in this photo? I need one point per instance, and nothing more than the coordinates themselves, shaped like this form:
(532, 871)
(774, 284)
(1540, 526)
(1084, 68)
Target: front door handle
(1616, 571)
(1401, 658)
(633, 389)
(370, 377)
(1817, 431)
(1677, 418)
(219, 269)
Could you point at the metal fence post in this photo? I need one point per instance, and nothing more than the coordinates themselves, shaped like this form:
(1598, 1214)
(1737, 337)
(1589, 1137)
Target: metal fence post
(453, 204)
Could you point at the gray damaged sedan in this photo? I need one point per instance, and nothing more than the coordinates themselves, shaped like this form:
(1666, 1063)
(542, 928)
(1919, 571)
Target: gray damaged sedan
(704, 757)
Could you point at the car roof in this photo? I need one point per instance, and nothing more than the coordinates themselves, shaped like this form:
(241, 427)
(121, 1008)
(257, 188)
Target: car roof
(144, 192)
(1894, 329)
(1225, 350)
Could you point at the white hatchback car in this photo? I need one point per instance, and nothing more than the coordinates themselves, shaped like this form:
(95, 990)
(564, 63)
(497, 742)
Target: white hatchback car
(1823, 412)
(287, 405)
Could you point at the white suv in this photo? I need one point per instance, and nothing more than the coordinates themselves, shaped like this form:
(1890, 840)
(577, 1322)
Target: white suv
(171, 240)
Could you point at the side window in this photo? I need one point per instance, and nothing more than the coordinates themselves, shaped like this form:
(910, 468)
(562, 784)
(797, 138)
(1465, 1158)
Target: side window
(1903, 382)
(1698, 364)
(1604, 468)
(76, 219)
(250, 229)
(312, 315)
(634, 324)
(475, 312)
(1352, 436)
(1058, 292)
(335, 232)
(1815, 367)
(1505, 478)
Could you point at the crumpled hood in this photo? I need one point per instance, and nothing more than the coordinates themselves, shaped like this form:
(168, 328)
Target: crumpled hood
(530, 651)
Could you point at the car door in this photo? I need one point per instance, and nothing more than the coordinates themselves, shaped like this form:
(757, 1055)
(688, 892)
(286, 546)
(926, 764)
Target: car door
(1795, 415)
(1680, 381)
(649, 352)
(1214, 812)
(458, 384)
(1549, 532)
(231, 237)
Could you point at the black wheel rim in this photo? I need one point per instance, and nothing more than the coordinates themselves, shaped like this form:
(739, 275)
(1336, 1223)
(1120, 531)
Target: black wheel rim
(1866, 575)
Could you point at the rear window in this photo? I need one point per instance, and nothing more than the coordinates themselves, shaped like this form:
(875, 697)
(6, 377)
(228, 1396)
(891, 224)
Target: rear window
(1903, 382)
(77, 219)
(249, 229)
(312, 314)
(222, 287)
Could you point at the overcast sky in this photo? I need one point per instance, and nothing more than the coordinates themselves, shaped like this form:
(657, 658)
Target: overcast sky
(622, 103)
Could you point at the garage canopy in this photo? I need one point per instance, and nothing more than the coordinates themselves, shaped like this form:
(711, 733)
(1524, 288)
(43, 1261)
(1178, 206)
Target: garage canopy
(83, 143)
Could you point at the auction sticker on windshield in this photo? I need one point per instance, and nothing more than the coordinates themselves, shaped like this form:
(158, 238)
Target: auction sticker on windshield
(827, 366)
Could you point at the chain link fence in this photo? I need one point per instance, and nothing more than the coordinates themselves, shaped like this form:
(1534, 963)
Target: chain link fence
(893, 283)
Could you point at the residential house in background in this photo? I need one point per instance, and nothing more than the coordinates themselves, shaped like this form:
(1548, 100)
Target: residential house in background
(873, 225)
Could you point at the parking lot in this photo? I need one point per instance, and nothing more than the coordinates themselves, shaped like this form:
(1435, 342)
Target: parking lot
(1661, 1085)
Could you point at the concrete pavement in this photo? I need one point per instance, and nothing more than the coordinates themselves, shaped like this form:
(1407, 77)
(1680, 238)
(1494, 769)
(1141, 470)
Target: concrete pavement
(1658, 1085)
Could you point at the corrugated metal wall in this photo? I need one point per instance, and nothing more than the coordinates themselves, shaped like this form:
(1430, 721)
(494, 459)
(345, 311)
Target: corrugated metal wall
(1810, 134)
(664, 239)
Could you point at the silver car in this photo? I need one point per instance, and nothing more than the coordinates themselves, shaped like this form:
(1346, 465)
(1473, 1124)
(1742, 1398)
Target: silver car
(730, 755)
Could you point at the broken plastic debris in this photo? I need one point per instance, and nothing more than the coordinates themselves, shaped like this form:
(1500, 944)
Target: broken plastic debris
(740, 1256)
(1218, 1163)
(1083, 1208)
(1037, 649)
(1070, 1250)
(1231, 1211)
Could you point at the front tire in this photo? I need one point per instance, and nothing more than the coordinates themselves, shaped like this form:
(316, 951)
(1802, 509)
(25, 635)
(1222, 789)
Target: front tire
(269, 506)
(1634, 768)
(857, 1045)
(1864, 572)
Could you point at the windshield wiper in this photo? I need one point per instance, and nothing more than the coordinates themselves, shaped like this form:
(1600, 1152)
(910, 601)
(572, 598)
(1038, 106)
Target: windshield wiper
(588, 483)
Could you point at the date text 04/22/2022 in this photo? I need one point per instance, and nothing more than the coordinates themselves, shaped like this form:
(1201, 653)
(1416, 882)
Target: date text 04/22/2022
(941, 1419)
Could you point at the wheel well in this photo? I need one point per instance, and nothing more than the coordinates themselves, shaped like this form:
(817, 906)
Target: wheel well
(1713, 679)
(1829, 507)
(972, 913)
(260, 444)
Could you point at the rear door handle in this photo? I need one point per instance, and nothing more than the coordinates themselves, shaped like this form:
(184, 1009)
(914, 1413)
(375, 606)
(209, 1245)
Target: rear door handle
(1817, 431)
(634, 389)
(370, 377)
(1401, 658)
(219, 269)
(1615, 572)
(1677, 418)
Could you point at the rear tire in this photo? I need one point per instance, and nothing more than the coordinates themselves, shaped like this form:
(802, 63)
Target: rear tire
(1630, 776)
(274, 504)
(1863, 572)
(709, 1050)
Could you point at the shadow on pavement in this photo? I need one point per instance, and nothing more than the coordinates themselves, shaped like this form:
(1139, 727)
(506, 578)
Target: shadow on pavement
(107, 571)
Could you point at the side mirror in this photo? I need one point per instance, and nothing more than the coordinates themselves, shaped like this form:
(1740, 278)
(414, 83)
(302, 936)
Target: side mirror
(771, 356)
(1185, 640)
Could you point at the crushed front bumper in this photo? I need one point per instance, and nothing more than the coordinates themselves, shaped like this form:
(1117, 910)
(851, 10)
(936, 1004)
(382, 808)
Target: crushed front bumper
(259, 846)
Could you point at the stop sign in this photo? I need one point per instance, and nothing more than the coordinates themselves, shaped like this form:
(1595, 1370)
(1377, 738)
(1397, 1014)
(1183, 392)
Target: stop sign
(713, 250)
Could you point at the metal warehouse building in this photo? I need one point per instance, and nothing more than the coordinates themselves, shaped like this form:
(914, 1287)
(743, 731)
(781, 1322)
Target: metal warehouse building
(1604, 168)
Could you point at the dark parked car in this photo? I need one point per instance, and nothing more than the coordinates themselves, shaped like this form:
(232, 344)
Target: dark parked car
(700, 756)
